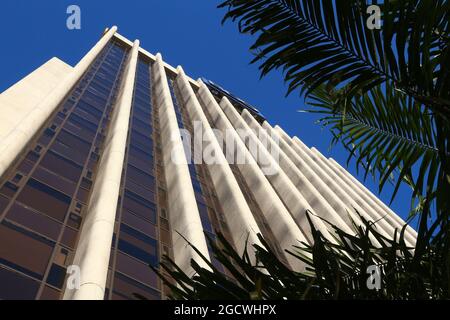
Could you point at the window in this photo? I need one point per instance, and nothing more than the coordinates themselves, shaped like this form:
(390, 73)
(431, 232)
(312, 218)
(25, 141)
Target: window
(165, 236)
(142, 154)
(45, 199)
(139, 224)
(79, 130)
(138, 245)
(136, 269)
(69, 237)
(139, 206)
(86, 116)
(46, 137)
(8, 189)
(83, 123)
(19, 255)
(141, 140)
(127, 288)
(34, 220)
(145, 165)
(3, 203)
(141, 178)
(25, 167)
(56, 276)
(50, 294)
(53, 180)
(16, 287)
(139, 190)
(74, 142)
(74, 221)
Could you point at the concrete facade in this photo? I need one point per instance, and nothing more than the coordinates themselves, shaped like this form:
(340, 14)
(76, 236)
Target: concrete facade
(264, 184)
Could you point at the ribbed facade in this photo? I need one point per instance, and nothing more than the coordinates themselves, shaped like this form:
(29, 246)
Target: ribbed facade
(96, 173)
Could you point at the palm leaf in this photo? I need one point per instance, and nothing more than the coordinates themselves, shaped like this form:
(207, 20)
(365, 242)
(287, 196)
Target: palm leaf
(337, 270)
(385, 134)
(321, 41)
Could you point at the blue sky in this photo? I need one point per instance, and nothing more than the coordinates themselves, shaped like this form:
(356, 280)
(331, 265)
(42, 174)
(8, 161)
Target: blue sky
(187, 33)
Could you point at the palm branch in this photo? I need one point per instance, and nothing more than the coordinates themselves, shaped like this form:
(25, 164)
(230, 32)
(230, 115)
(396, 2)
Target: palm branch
(327, 41)
(333, 270)
(386, 133)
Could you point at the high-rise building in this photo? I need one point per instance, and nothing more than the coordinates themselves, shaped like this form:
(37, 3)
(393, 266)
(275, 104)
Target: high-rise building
(109, 165)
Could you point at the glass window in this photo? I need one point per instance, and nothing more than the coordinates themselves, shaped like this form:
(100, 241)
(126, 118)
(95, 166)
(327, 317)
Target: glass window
(25, 167)
(3, 203)
(15, 286)
(29, 254)
(138, 245)
(136, 269)
(8, 189)
(50, 294)
(69, 238)
(68, 152)
(86, 116)
(139, 224)
(74, 221)
(34, 220)
(83, 123)
(79, 131)
(140, 153)
(139, 190)
(74, 142)
(145, 165)
(126, 288)
(139, 206)
(56, 276)
(53, 180)
(45, 199)
(141, 178)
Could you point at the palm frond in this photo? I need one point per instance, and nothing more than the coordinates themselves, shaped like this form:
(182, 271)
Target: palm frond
(322, 41)
(385, 133)
(335, 271)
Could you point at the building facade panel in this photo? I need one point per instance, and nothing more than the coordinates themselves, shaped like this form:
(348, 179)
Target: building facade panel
(46, 195)
(102, 178)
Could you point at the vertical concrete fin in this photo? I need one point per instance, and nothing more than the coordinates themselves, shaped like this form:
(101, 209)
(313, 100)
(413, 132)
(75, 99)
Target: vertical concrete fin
(288, 193)
(282, 224)
(94, 247)
(183, 211)
(342, 189)
(351, 187)
(240, 220)
(17, 140)
(331, 191)
(365, 193)
(335, 214)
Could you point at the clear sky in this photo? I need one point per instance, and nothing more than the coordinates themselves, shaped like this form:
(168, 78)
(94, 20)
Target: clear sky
(187, 33)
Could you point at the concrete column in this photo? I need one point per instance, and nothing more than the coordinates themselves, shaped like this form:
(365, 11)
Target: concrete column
(388, 218)
(389, 215)
(94, 247)
(286, 190)
(16, 141)
(332, 191)
(282, 224)
(375, 212)
(338, 215)
(239, 217)
(183, 211)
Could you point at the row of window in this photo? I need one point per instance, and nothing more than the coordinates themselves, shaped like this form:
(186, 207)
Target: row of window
(199, 181)
(138, 239)
(43, 201)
